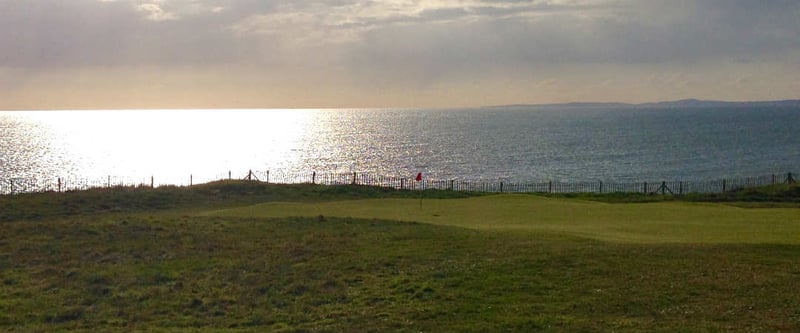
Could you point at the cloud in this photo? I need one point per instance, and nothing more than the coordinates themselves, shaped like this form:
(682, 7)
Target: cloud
(154, 12)
(383, 48)
(351, 20)
(42, 35)
(469, 33)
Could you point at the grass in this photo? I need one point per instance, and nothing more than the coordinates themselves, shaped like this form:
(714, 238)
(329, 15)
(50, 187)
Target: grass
(40, 206)
(772, 196)
(162, 267)
(673, 222)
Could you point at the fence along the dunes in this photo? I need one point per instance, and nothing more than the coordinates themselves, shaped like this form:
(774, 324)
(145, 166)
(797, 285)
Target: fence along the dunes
(58, 184)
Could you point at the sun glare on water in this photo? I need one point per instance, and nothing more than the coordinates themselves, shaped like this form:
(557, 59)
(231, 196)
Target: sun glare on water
(174, 144)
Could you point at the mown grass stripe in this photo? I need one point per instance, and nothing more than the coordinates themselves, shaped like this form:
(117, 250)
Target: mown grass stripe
(679, 222)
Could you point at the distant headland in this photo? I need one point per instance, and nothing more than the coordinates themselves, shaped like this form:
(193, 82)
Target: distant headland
(684, 103)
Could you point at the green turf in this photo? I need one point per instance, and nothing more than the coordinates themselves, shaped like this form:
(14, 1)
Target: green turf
(641, 222)
(144, 260)
(224, 274)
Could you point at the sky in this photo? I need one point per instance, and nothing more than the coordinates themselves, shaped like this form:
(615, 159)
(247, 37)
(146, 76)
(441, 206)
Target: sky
(129, 54)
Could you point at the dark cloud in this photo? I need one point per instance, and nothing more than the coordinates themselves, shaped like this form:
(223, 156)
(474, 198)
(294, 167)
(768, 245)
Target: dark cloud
(51, 33)
(402, 45)
(90, 33)
(656, 33)
(84, 33)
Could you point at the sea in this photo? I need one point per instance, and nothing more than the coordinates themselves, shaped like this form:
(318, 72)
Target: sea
(522, 143)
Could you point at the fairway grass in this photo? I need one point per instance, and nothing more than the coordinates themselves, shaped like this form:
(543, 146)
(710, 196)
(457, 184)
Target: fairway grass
(659, 222)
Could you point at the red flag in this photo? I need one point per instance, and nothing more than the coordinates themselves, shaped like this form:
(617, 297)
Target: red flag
(419, 176)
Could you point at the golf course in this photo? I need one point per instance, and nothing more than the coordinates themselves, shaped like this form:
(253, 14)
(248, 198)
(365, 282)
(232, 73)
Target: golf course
(670, 222)
(238, 256)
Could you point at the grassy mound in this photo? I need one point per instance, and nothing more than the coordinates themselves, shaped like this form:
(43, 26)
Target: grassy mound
(766, 196)
(780, 195)
(37, 206)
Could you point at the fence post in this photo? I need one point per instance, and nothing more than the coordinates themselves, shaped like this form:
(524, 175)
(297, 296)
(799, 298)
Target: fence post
(314, 177)
(663, 187)
(550, 187)
(501, 187)
(267, 176)
(190, 180)
(59, 184)
(354, 178)
(680, 187)
(601, 186)
(723, 185)
(402, 182)
(152, 182)
(229, 175)
(645, 188)
(451, 184)
(12, 186)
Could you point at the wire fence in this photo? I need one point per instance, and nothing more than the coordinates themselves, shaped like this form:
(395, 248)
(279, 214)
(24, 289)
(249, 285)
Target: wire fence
(34, 185)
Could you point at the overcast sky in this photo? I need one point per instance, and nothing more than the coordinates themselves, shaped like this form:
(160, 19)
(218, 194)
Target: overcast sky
(57, 54)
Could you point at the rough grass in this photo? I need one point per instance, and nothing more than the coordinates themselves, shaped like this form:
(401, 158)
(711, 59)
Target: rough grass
(154, 265)
(780, 195)
(192, 274)
(39, 206)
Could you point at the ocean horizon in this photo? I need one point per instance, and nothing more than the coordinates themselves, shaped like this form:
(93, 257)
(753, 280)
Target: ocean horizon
(519, 143)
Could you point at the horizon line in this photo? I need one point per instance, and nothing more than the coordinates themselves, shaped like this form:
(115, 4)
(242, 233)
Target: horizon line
(573, 103)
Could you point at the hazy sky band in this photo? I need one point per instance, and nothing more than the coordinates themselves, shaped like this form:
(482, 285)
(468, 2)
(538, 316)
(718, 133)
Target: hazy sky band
(353, 53)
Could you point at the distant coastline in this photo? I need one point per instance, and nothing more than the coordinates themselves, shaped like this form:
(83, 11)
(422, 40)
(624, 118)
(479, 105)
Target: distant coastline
(684, 103)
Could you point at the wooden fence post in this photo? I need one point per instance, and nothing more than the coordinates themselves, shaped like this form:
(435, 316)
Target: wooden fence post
(59, 184)
(314, 177)
(267, 176)
(152, 182)
(12, 186)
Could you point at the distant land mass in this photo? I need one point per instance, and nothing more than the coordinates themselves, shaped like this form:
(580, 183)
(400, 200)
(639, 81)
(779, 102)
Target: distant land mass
(682, 104)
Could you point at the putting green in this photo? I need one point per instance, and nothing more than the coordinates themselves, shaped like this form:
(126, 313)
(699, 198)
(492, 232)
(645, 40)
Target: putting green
(677, 222)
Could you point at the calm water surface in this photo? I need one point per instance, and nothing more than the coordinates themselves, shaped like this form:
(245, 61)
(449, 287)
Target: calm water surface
(491, 144)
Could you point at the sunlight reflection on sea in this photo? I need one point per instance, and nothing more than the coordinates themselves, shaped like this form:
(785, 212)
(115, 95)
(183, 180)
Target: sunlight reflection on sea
(488, 144)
